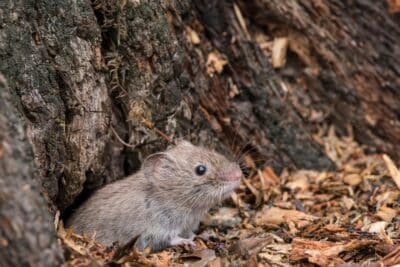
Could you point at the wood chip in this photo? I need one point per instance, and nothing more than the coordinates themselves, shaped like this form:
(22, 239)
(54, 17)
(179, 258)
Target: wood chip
(386, 214)
(279, 216)
(394, 172)
(192, 36)
(352, 179)
(279, 50)
(215, 63)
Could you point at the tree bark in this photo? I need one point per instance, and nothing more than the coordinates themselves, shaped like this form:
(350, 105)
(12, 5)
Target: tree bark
(90, 74)
(353, 52)
(27, 236)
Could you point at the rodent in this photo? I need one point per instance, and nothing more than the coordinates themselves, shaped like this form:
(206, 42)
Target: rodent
(163, 202)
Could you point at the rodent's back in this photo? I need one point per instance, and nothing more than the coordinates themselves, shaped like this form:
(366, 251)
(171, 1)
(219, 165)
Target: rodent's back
(115, 212)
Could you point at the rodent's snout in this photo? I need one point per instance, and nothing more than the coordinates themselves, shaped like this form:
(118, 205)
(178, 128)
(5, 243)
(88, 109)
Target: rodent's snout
(232, 174)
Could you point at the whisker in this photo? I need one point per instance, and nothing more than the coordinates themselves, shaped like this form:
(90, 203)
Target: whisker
(246, 150)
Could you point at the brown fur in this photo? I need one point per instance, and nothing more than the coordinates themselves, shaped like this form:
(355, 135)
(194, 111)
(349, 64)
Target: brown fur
(165, 200)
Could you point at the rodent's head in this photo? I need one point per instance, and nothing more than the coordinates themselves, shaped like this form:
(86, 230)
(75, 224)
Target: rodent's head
(196, 176)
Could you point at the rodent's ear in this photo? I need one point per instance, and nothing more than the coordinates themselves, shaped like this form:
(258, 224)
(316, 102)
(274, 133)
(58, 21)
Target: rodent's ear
(183, 143)
(154, 161)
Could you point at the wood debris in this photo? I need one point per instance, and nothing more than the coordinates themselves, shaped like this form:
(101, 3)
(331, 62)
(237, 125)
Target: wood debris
(279, 50)
(215, 63)
(394, 172)
(348, 217)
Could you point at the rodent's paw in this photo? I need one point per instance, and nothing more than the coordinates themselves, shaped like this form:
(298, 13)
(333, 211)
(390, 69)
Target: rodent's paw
(189, 235)
(179, 241)
(192, 236)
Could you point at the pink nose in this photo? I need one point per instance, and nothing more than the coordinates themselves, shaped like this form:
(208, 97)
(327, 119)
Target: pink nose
(231, 174)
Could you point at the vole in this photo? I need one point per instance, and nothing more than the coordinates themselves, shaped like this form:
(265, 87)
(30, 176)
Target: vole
(163, 202)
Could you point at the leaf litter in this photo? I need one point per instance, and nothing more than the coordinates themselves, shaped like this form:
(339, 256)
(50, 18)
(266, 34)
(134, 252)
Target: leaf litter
(347, 217)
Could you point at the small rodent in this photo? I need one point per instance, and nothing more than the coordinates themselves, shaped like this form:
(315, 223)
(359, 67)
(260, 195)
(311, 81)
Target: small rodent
(163, 202)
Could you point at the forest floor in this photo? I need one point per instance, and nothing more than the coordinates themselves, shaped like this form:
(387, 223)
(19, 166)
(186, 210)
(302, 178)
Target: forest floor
(303, 218)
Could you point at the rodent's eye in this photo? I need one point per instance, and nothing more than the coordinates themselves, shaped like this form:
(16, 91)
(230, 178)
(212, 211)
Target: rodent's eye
(201, 169)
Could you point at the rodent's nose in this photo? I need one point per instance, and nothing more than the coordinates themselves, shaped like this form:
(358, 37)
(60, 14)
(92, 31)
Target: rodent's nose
(233, 173)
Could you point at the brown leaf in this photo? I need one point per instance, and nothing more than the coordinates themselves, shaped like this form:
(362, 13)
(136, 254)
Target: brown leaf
(268, 178)
(215, 263)
(224, 217)
(392, 258)
(205, 256)
(249, 246)
(352, 179)
(252, 262)
(324, 253)
(301, 182)
(386, 214)
(161, 259)
(254, 191)
(279, 216)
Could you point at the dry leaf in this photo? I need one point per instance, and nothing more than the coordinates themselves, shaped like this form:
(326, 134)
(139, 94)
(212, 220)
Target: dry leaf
(386, 214)
(279, 216)
(392, 258)
(275, 254)
(387, 198)
(216, 263)
(162, 259)
(254, 191)
(324, 252)
(300, 182)
(352, 179)
(205, 256)
(224, 217)
(249, 246)
(377, 227)
(268, 178)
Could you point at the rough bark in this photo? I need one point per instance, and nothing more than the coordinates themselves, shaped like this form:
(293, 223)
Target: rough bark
(348, 54)
(27, 236)
(89, 72)
(48, 56)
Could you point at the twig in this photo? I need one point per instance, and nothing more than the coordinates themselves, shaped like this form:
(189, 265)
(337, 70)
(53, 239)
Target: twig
(120, 139)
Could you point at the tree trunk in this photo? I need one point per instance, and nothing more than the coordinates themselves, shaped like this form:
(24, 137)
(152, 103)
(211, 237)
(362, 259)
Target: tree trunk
(27, 236)
(90, 77)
